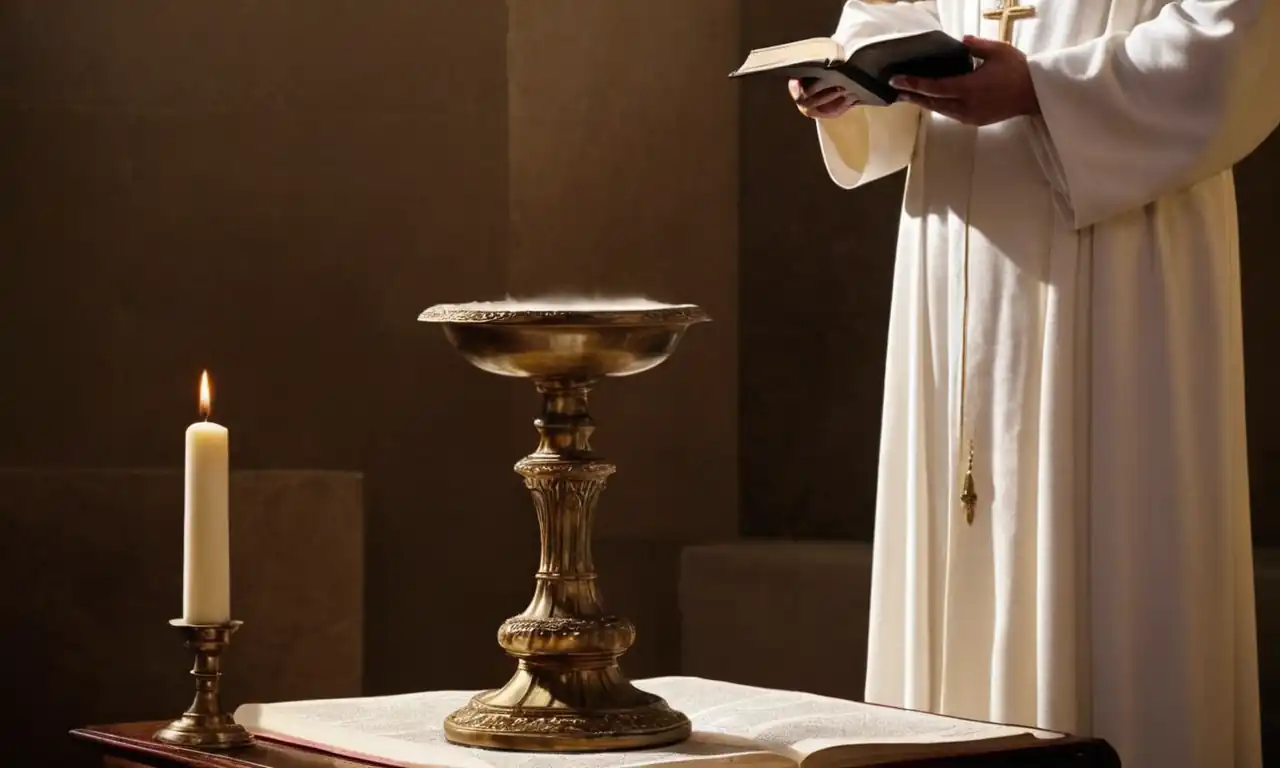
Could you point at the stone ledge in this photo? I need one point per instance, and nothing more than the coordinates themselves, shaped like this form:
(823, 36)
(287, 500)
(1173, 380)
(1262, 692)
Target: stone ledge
(743, 603)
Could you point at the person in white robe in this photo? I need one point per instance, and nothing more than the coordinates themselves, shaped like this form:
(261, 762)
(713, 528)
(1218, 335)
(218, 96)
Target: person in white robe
(1066, 333)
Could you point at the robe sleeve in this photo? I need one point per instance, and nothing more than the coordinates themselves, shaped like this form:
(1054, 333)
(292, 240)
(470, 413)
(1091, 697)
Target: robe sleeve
(1132, 116)
(869, 143)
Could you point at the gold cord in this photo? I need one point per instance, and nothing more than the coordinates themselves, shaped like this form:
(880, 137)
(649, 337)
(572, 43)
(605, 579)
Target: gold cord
(968, 495)
(1009, 12)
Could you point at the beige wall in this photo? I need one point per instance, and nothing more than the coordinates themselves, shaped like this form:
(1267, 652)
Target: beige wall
(275, 188)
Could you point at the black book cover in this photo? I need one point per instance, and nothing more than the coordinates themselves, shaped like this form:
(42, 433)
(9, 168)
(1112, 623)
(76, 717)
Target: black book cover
(868, 68)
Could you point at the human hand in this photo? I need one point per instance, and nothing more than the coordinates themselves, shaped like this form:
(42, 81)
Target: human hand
(825, 103)
(1000, 89)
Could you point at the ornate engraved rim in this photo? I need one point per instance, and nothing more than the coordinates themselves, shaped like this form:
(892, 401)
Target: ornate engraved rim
(654, 718)
(461, 314)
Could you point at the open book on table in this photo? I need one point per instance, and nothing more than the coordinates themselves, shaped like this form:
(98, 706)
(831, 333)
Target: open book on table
(864, 66)
(733, 724)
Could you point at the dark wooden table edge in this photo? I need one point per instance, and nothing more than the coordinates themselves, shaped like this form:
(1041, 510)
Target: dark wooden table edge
(1069, 752)
(159, 755)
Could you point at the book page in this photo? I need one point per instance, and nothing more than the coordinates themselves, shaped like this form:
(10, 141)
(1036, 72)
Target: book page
(733, 724)
(801, 724)
(818, 51)
(408, 731)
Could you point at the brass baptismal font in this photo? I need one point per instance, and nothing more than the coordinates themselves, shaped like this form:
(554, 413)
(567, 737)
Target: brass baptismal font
(568, 693)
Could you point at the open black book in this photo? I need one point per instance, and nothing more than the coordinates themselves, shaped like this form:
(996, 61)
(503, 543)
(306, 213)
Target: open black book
(866, 68)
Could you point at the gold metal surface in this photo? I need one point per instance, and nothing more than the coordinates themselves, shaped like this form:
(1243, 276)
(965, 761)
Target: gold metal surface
(204, 724)
(568, 693)
(968, 494)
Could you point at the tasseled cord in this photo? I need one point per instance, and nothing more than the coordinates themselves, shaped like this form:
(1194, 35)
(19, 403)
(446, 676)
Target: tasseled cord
(969, 496)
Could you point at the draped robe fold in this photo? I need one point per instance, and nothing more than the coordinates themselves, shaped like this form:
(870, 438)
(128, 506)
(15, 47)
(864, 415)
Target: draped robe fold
(1105, 585)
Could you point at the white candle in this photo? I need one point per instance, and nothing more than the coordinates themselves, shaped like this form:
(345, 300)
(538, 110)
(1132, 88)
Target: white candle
(206, 571)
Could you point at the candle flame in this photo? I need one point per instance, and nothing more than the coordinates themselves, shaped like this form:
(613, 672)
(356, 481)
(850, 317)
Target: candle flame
(206, 401)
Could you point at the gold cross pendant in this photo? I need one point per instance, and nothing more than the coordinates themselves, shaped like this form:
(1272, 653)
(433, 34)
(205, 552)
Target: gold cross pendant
(1008, 13)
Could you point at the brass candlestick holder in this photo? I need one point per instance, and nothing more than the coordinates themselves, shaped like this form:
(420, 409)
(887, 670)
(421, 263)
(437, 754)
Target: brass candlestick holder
(568, 693)
(204, 724)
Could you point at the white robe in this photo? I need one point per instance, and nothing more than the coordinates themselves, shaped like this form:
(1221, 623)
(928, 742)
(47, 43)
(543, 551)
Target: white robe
(1105, 586)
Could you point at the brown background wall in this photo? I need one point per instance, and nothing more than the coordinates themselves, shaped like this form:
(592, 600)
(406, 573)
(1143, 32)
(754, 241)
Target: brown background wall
(623, 180)
(817, 266)
(275, 188)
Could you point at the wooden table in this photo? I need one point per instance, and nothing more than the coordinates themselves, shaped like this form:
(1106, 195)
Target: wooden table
(132, 742)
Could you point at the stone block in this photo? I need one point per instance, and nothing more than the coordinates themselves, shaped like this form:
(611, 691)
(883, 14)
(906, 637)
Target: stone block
(781, 614)
(93, 573)
(794, 615)
(639, 579)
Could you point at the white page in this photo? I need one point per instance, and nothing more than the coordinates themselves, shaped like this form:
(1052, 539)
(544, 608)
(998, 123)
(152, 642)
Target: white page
(408, 730)
(798, 724)
(733, 724)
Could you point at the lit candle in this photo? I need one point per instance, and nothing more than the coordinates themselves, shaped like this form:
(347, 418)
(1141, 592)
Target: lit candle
(206, 571)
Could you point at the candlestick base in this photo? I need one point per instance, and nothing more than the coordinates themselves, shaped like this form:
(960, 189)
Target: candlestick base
(204, 724)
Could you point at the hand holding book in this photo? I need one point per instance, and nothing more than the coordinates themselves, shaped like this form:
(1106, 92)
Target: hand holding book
(818, 101)
(998, 90)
